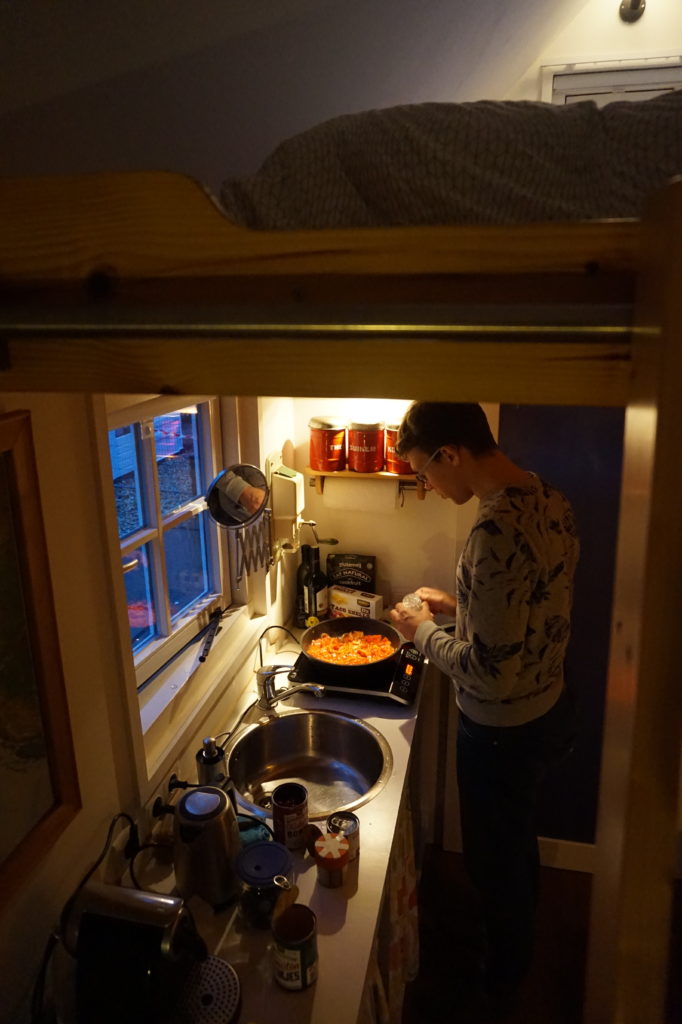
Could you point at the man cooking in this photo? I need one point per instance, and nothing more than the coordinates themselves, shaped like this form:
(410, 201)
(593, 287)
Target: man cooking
(512, 608)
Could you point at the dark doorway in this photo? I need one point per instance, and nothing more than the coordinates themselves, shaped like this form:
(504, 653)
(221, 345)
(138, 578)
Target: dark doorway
(580, 451)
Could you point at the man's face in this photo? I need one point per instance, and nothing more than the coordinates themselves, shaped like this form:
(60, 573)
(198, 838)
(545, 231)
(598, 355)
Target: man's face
(441, 471)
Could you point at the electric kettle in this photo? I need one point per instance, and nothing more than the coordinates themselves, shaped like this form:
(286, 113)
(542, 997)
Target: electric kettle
(206, 844)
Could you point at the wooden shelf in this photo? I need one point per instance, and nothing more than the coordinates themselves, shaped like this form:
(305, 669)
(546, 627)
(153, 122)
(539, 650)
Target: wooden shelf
(319, 477)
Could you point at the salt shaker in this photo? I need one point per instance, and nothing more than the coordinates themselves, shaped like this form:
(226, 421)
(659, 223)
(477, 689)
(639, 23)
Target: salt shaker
(412, 602)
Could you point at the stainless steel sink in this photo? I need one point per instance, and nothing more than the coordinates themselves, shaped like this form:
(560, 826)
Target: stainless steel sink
(342, 761)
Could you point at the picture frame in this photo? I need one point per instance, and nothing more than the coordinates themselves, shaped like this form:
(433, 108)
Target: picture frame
(39, 791)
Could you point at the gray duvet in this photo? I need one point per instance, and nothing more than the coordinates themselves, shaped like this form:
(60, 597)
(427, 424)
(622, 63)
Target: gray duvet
(484, 162)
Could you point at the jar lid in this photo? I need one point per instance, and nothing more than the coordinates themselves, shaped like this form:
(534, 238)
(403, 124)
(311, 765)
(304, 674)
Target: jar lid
(365, 426)
(331, 851)
(258, 863)
(326, 423)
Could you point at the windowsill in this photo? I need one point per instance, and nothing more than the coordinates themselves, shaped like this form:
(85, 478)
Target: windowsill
(170, 708)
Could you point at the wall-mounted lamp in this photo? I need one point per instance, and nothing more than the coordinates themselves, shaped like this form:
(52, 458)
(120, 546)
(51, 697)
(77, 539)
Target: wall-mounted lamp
(632, 10)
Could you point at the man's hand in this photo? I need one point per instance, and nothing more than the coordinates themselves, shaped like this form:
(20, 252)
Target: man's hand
(406, 620)
(439, 601)
(252, 498)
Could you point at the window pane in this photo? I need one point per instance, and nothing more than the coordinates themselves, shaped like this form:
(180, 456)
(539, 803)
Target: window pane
(188, 577)
(177, 454)
(125, 466)
(138, 583)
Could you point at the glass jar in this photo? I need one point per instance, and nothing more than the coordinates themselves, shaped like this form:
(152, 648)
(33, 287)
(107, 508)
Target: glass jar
(366, 447)
(258, 864)
(327, 444)
(394, 464)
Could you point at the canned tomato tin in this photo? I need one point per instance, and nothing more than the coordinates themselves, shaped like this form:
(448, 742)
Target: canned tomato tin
(394, 464)
(327, 444)
(366, 447)
(290, 814)
(295, 947)
(345, 823)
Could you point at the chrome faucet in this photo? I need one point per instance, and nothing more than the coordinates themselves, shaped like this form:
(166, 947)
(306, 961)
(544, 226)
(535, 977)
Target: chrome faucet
(269, 695)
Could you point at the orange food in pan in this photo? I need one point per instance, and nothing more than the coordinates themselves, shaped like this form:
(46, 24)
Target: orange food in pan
(354, 648)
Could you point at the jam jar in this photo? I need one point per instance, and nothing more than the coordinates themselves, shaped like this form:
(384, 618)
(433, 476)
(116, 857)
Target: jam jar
(366, 447)
(394, 464)
(258, 864)
(327, 444)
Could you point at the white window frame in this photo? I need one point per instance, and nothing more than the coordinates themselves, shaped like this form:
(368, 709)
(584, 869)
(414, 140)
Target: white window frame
(158, 652)
(609, 80)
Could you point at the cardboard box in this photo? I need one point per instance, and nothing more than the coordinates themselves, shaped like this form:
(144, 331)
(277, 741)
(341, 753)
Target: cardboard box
(344, 601)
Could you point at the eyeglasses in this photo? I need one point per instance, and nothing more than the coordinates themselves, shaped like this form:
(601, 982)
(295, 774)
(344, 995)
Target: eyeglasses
(420, 477)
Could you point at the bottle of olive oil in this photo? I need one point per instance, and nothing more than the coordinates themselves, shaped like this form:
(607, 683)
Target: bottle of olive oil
(312, 593)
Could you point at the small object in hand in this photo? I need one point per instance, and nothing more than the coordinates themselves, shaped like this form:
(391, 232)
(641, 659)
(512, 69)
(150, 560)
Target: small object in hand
(412, 602)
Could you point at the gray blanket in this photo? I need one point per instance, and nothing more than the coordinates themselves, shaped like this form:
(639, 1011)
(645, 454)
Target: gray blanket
(465, 163)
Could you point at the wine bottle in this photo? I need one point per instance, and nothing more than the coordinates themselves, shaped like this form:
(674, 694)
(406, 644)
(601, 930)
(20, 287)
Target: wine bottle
(312, 595)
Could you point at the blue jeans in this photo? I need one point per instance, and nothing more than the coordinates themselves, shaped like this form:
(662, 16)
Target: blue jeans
(500, 771)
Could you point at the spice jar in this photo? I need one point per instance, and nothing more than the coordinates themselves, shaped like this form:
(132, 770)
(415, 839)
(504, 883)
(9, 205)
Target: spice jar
(394, 464)
(327, 444)
(331, 856)
(258, 864)
(366, 447)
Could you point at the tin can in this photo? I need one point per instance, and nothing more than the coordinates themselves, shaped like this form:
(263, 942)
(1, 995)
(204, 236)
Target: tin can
(345, 823)
(366, 447)
(331, 854)
(294, 950)
(394, 464)
(327, 444)
(290, 814)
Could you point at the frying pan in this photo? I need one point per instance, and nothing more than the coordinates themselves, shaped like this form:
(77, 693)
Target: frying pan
(348, 624)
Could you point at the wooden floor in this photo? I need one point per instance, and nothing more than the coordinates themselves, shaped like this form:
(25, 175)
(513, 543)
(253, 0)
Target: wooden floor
(450, 949)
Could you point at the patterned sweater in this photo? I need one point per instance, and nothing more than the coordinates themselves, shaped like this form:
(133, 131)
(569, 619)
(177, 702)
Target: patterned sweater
(514, 593)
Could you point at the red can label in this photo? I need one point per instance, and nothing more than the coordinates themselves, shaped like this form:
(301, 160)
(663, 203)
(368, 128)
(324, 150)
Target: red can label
(394, 464)
(327, 449)
(365, 450)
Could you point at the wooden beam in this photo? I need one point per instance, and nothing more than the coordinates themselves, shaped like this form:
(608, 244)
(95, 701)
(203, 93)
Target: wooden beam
(553, 373)
(637, 834)
(163, 226)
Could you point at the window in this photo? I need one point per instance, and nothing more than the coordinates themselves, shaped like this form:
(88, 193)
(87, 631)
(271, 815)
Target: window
(606, 81)
(173, 563)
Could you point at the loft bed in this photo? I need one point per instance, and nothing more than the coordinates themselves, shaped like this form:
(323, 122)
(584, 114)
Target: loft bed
(139, 283)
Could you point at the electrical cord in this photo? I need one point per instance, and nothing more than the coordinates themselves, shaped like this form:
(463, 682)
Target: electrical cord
(131, 865)
(267, 630)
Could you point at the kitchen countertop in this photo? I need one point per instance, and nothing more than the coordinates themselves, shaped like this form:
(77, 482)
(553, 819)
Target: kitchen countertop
(346, 916)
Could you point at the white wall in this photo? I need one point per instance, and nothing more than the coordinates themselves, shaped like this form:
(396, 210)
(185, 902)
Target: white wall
(416, 542)
(598, 33)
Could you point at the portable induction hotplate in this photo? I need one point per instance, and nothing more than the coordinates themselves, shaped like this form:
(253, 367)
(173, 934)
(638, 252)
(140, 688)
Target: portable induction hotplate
(396, 678)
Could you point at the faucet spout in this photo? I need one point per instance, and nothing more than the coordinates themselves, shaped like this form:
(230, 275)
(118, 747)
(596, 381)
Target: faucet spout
(269, 695)
(313, 688)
